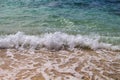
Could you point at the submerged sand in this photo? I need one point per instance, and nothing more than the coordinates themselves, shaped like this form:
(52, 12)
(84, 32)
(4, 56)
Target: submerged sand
(59, 65)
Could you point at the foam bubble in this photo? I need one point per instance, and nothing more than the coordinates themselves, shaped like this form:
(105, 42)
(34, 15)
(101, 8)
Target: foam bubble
(53, 41)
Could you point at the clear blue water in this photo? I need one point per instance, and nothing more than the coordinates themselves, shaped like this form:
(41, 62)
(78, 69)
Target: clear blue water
(84, 17)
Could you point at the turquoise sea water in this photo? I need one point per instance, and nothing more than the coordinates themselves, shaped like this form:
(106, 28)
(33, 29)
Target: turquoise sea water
(83, 17)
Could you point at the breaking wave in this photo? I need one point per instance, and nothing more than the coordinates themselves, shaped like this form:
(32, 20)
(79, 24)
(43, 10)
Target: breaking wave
(54, 41)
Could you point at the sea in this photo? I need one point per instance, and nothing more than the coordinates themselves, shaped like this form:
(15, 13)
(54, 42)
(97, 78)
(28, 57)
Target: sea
(59, 39)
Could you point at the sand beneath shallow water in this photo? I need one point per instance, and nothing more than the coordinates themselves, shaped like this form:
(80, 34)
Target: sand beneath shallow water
(59, 65)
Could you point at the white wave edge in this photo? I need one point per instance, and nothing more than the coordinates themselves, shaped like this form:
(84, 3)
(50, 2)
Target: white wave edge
(54, 41)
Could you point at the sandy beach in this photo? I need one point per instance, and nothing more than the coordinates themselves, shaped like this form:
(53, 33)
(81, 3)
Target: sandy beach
(59, 65)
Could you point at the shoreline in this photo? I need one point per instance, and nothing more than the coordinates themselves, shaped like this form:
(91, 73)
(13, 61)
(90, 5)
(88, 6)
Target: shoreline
(63, 65)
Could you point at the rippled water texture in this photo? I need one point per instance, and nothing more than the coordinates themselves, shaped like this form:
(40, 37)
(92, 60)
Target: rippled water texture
(73, 16)
(59, 65)
(83, 17)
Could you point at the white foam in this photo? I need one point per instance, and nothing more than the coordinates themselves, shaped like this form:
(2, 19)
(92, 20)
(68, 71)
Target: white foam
(54, 41)
(10, 54)
(1, 61)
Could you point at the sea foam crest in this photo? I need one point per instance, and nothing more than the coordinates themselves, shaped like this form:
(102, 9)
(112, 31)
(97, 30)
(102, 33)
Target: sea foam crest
(54, 41)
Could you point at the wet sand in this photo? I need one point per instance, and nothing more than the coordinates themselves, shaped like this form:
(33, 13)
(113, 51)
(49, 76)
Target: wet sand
(59, 65)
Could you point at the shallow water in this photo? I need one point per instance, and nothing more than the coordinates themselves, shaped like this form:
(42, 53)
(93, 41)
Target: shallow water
(59, 65)
(84, 17)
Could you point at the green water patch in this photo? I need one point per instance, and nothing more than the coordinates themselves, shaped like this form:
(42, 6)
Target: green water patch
(69, 20)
